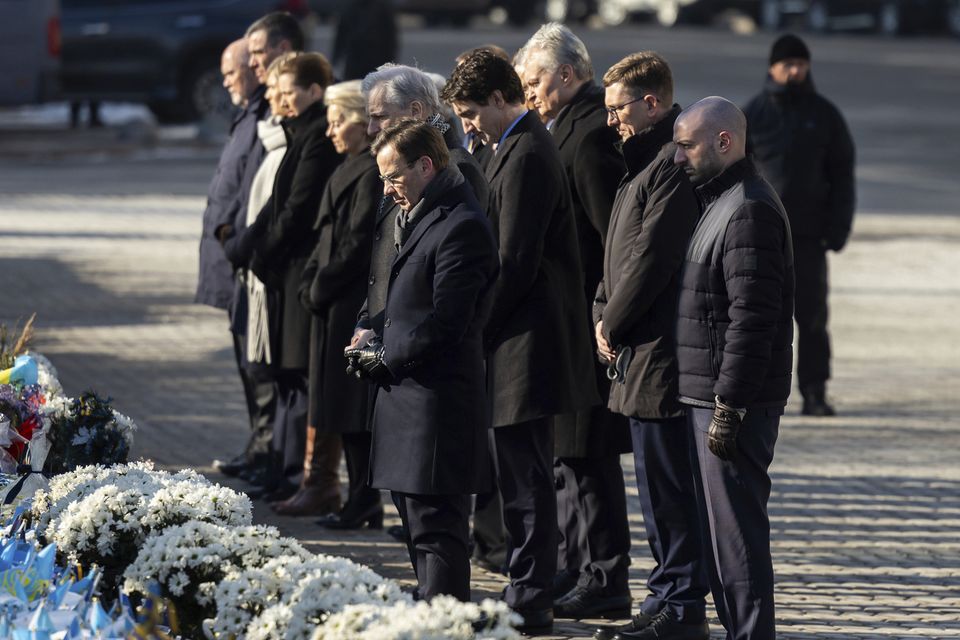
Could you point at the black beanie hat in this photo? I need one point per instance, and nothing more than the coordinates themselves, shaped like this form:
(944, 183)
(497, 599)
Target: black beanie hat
(788, 46)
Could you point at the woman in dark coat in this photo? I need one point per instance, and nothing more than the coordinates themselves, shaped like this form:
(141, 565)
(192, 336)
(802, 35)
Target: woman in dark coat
(279, 244)
(333, 285)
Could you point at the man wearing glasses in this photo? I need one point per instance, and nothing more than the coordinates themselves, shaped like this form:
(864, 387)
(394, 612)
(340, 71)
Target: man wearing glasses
(654, 215)
(431, 415)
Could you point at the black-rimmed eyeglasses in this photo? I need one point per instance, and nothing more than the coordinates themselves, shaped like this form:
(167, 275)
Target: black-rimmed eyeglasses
(615, 111)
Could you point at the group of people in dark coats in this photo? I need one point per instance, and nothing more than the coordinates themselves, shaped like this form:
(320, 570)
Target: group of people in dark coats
(592, 270)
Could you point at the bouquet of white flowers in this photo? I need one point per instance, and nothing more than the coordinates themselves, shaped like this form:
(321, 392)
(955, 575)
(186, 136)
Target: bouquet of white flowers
(289, 600)
(189, 561)
(443, 618)
(102, 515)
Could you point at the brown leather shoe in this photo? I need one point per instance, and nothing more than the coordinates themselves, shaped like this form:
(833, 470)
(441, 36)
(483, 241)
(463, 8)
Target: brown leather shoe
(310, 501)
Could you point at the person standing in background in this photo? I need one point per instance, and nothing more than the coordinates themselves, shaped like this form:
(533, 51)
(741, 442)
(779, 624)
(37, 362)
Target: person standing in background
(802, 146)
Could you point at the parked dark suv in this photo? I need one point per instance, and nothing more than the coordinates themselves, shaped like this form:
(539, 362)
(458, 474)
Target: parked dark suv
(165, 53)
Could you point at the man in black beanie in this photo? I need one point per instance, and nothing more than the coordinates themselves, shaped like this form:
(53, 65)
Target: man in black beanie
(803, 148)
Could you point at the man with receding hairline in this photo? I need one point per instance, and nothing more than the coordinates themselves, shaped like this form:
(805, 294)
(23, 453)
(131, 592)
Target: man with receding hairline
(226, 210)
(735, 355)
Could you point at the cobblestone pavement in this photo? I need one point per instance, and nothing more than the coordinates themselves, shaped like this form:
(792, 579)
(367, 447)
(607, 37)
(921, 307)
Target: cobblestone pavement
(866, 506)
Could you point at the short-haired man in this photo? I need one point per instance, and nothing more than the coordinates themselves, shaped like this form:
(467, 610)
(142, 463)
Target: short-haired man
(226, 208)
(393, 93)
(270, 37)
(540, 363)
(653, 218)
(801, 144)
(735, 354)
(594, 550)
(431, 416)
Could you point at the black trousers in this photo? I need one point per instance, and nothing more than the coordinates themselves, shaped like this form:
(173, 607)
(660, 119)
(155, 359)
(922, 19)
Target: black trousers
(811, 313)
(489, 532)
(260, 393)
(592, 518)
(667, 473)
(438, 541)
(524, 461)
(734, 511)
(290, 425)
(356, 450)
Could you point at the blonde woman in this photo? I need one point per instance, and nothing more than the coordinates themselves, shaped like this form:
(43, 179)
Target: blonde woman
(333, 287)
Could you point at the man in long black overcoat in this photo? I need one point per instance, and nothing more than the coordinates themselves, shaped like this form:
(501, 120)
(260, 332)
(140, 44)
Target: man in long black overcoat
(594, 550)
(431, 415)
(540, 361)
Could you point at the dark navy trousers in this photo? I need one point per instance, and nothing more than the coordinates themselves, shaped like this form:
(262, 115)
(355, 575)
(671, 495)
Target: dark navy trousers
(734, 510)
(666, 466)
(523, 455)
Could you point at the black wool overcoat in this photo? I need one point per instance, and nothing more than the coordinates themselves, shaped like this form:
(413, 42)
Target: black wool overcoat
(333, 286)
(283, 236)
(589, 153)
(430, 424)
(541, 359)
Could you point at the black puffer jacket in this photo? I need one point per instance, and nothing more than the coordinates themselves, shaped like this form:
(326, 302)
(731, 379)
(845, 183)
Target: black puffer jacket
(735, 315)
(802, 146)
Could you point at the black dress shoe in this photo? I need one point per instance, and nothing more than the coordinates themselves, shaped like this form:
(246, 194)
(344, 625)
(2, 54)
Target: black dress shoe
(398, 532)
(276, 494)
(583, 602)
(563, 584)
(231, 468)
(639, 621)
(665, 626)
(257, 476)
(355, 518)
(536, 622)
(817, 406)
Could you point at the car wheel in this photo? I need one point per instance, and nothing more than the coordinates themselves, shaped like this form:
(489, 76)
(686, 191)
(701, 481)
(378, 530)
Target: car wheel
(770, 16)
(203, 94)
(818, 17)
(889, 21)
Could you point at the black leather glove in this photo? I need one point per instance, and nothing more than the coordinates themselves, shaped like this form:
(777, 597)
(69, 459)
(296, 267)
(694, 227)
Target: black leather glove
(835, 241)
(367, 362)
(724, 427)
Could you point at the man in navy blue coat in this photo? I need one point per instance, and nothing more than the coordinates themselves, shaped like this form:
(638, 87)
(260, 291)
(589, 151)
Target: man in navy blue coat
(431, 414)
(227, 200)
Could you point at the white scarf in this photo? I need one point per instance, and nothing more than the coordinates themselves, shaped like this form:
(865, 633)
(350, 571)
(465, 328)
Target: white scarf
(274, 140)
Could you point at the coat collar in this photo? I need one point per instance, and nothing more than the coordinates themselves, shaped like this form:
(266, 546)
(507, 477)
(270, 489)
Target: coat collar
(587, 100)
(256, 107)
(314, 115)
(718, 185)
(434, 205)
(524, 126)
(789, 92)
(640, 149)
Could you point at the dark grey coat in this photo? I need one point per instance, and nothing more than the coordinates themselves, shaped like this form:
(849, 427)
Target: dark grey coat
(654, 216)
(227, 202)
(541, 355)
(333, 285)
(590, 156)
(735, 314)
(430, 425)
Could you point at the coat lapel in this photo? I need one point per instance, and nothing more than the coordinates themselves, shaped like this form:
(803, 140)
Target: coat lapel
(428, 220)
(500, 156)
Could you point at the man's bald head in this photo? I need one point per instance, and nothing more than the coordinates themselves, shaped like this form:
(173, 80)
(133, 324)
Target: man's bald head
(238, 77)
(710, 136)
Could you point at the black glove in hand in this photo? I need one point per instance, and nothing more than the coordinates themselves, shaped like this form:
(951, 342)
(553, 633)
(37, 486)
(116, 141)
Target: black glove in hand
(369, 362)
(724, 427)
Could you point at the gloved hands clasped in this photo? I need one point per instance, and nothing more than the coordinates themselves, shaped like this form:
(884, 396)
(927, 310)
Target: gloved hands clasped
(724, 427)
(366, 362)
